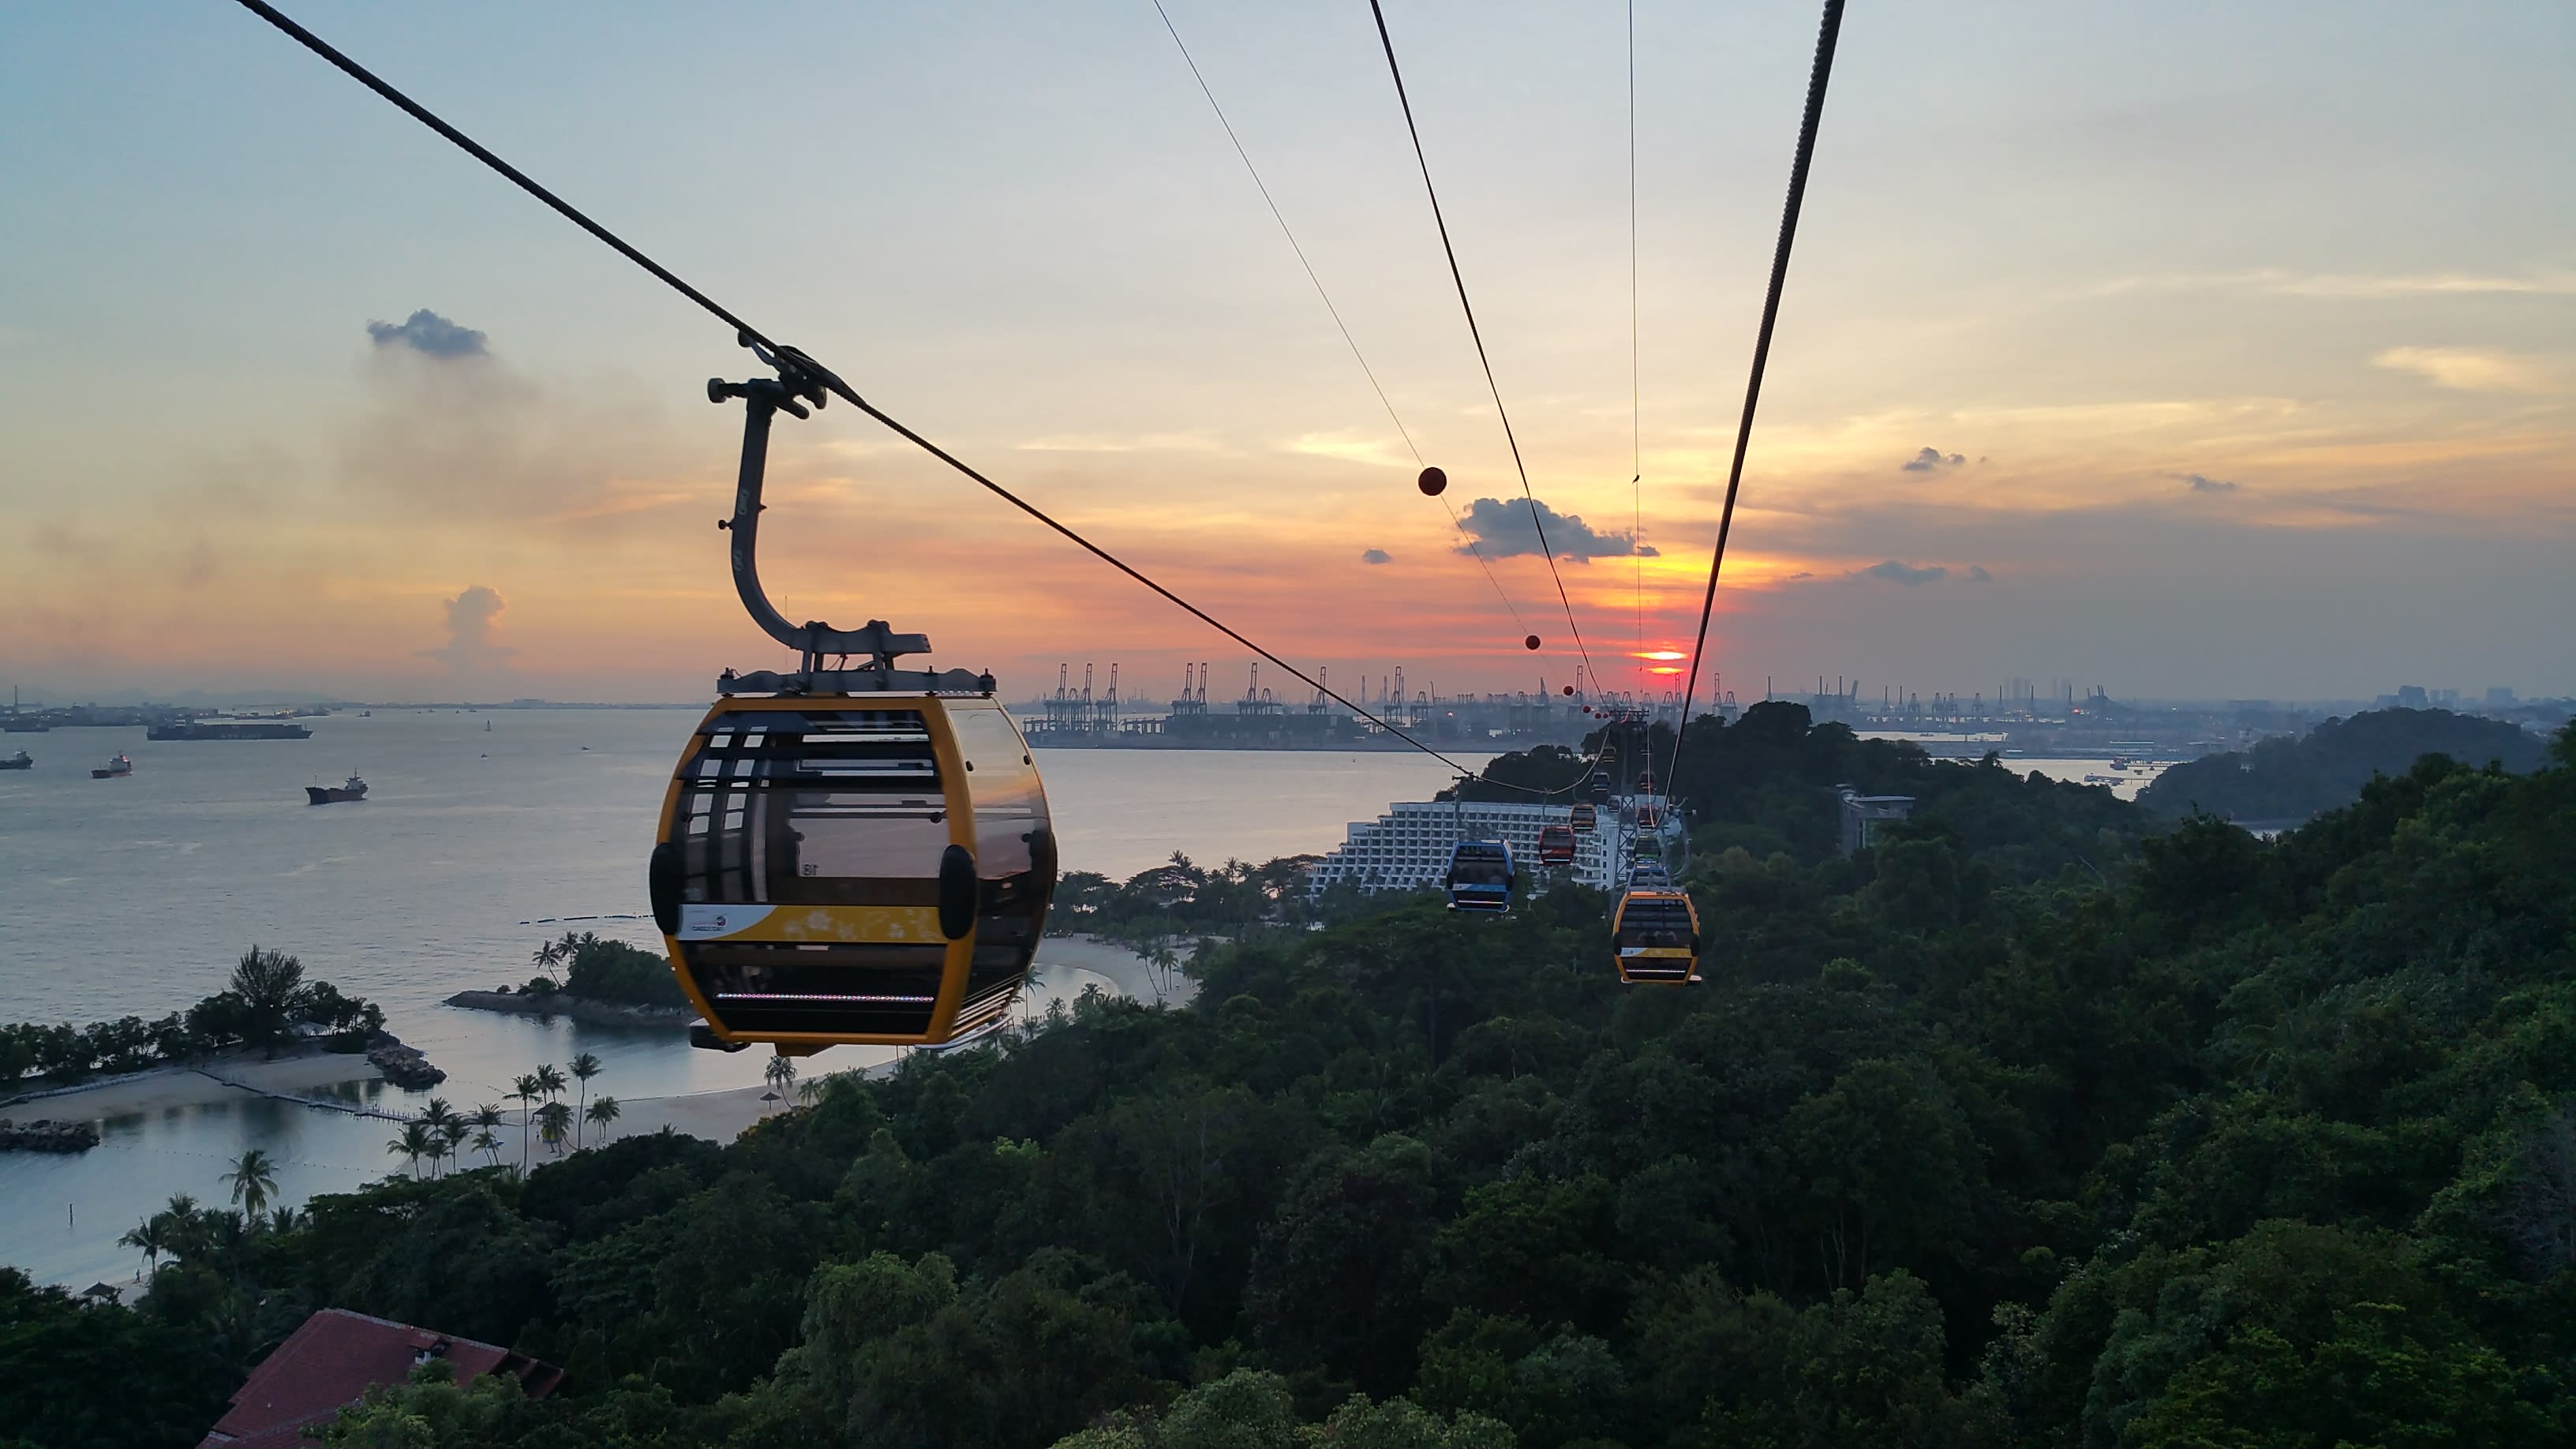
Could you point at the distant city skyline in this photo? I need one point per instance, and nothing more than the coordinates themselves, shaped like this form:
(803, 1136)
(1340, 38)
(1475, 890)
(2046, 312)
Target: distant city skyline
(2215, 354)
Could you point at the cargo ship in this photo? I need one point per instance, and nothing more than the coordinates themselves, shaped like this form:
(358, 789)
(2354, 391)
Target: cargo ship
(114, 769)
(355, 789)
(19, 761)
(229, 729)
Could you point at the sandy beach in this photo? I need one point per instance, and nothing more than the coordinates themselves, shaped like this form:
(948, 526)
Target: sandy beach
(1125, 970)
(189, 1086)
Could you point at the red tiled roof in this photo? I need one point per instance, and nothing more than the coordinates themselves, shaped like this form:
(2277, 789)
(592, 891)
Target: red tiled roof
(331, 1360)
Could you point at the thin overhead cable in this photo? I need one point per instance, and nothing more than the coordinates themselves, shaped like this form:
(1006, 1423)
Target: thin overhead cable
(1826, 34)
(751, 335)
(1459, 278)
(1636, 407)
(1339, 325)
(1277, 216)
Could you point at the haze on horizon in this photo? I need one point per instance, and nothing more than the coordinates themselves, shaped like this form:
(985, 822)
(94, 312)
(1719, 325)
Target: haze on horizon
(2226, 353)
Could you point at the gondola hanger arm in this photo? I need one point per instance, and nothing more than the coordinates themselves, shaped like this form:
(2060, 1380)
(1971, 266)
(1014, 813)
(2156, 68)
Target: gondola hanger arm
(802, 381)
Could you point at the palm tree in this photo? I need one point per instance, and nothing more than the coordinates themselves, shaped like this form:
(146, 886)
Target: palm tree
(416, 1142)
(525, 1092)
(584, 1067)
(153, 1238)
(780, 1074)
(183, 1228)
(554, 1120)
(254, 1181)
(284, 1220)
(224, 1233)
(487, 1120)
(602, 1112)
(546, 958)
(439, 1118)
(551, 1082)
(810, 1090)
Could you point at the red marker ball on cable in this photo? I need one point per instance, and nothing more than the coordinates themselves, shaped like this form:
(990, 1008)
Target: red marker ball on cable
(1433, 482)
(1532, 643)
(1569, 693)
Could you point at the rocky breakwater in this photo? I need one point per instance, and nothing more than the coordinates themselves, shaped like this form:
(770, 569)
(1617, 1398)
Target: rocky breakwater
(578, 1008)
(45, 1135)
(401, 1065)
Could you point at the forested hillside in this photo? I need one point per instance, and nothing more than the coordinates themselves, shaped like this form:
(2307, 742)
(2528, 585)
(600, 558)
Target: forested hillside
(2029, 1127)
(2288, 780)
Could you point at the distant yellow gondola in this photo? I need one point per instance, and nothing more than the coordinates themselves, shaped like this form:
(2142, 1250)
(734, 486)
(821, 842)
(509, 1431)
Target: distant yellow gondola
(1654, 937)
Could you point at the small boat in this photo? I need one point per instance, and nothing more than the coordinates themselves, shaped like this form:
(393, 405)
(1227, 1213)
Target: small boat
(113, 769)
(355, 789)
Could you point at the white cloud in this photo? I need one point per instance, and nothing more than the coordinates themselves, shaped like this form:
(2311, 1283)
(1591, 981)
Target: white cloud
(2469, 369)
(1374, 452)
(1117, 443)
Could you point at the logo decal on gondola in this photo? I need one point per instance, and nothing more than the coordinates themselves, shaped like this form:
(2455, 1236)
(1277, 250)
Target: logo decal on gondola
(707, 923)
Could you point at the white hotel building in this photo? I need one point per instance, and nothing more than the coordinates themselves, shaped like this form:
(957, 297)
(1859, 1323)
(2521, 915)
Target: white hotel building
(1408, 847)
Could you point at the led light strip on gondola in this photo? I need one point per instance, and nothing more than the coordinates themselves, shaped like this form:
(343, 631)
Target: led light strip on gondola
(801, 997)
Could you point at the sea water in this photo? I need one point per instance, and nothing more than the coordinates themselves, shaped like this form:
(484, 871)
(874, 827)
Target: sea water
(482, 835)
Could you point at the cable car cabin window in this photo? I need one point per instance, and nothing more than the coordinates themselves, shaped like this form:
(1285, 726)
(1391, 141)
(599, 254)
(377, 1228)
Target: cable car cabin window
(1662, 924)
(1009, 805)
(820, 807)
(1014, 857)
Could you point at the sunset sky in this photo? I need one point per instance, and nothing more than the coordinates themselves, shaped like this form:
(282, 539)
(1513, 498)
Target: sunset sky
(2190, 350)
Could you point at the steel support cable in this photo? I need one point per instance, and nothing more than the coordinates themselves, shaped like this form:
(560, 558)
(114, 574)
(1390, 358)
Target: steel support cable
(750, 334)
(1827, 33)
(1459, 278)
(1636, 404)
(1327, 298)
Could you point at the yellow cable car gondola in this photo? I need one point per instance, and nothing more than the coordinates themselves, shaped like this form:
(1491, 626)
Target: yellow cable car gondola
(1654, 937)
(847, 855)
